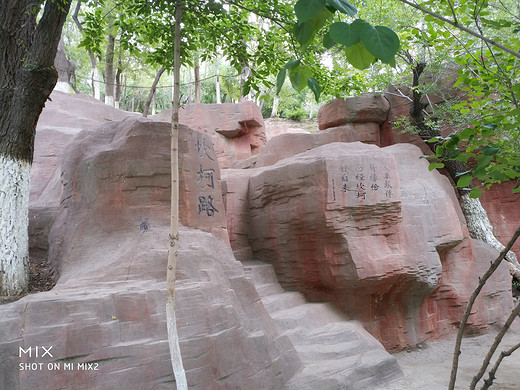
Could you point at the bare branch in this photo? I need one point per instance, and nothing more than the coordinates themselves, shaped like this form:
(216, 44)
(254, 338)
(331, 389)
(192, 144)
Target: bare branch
(488, 382)
(494, 347)
(464, 320)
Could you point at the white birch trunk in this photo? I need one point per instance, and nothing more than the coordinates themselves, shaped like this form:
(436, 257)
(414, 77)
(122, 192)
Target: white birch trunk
(274, 111)
(96, 82)
(479, 227)
(14, 221)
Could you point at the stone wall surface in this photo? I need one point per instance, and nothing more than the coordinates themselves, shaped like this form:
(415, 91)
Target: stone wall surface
(236, 130)
(108, 242)
(368, 229)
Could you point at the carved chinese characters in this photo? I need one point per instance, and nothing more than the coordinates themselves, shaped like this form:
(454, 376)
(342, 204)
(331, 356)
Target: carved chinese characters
(201, 204)
(358, 180)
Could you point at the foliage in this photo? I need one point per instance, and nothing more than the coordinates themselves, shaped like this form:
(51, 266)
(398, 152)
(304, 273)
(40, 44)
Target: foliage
(489, 78)
(321, 26)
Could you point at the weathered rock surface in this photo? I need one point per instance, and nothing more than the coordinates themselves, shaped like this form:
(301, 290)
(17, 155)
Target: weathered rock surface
(237, 130)
(288, 145)
(369, 229)
(503, 210)
(330, 345)
(109, 242)
(361, 109)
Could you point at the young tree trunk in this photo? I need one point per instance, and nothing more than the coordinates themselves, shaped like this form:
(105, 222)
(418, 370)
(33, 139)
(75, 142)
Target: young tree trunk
(173, 337)
(65, 69)
(196, 74)
(274, 111)
(96, 76)
(109, 70)
(27, 77)
(217, 87)
(119, 86)
(152, 91)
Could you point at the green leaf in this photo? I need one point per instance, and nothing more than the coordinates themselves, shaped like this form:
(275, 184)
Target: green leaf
(315, 87)
(280, 79)
(299, 76)
(489, 150)
(435, 165)
(341, 33)
(516, 188)
(343, 6)
(464, 181)
(308, 9)
(498, 175)
(304, 32)
(359, 57)
(439, 151)
(291, 64)
(328, 42)
(482, 163)
(380, 41)
(475, 193)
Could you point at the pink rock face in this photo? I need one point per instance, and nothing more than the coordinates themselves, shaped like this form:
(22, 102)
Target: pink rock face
(201, 205)
(361, 109)
(110, 243)
(364, 228)
(237, 130)
(503, 209)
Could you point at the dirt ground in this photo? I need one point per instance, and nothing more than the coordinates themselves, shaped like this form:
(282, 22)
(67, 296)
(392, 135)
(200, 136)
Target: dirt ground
(429, 368)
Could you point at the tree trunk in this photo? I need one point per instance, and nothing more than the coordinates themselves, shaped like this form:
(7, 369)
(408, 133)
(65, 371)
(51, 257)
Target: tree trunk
(246, 72)
(479, 227)
(274, 111)
(65, 69)
(173, 337)
(27, 77)
(196, 74)
(476, 217)
(119, 87)
(152, 91)
(217, 87)
(96, 76)
(109, 70)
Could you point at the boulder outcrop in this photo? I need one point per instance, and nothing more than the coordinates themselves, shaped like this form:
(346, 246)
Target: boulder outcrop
(105, 319)
(371, 230)
(236, 130)
(367, 229)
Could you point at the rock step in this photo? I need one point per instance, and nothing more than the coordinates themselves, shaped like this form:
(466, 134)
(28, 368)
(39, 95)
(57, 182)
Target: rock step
(337, 353)
(268, 289)
(308, 315)
(362, 371)
(317, 351)
(259, 272)
(332, 333)
(282, 301)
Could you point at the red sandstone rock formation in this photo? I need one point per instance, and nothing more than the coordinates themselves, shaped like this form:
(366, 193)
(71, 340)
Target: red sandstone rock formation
(371, 230)
(237, 130)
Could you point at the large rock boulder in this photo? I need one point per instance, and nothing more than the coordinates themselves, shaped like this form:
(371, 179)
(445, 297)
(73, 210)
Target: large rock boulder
(237, 130)
(105, 318)
(368, 108)
(371, 230)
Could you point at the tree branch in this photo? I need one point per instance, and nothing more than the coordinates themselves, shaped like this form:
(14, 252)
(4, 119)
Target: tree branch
(464, 320)
(462, 28)
(494, 347)
(488, 382)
